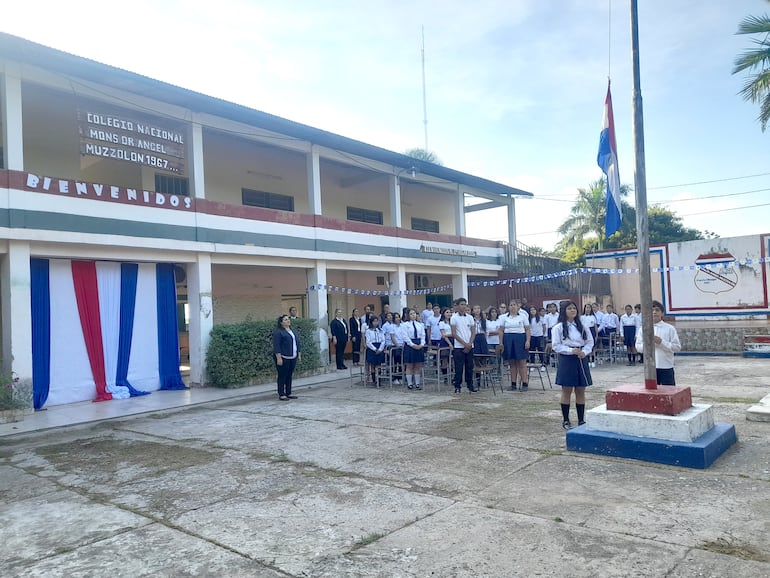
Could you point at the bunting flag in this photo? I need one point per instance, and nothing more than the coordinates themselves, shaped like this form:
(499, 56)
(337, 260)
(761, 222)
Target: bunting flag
(608, 161)
(102, 331)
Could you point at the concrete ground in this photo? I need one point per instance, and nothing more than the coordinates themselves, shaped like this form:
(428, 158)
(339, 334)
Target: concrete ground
(362, 482)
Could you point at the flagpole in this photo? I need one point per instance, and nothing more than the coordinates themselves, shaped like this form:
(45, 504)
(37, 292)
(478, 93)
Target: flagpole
(642, 225)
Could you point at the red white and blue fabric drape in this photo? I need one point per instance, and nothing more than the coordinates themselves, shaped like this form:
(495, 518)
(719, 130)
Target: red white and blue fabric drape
(102, 330)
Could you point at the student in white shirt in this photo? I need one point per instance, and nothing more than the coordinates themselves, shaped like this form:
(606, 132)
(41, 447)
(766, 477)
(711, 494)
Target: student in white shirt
(414, 350)
(551, 317)
(463, 333)
(628, 322)
(427, 313)
(667, 343)
(493, 331)
(638, 315)
(573, 343)
(515, 331)
(588, 319)
(375, 348)
(538, 329)
(447, 341)
(431, 326)
(396, 349)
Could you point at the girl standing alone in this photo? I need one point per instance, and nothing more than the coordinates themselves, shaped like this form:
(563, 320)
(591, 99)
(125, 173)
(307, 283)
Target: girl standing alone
(573, 343)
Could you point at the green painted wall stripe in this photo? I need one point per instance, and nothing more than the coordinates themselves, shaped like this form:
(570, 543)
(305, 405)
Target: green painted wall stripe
(47, 221)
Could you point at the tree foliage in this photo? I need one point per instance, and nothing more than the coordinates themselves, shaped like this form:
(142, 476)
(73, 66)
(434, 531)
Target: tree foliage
(584, 229)
(756, 61)
(423, 155)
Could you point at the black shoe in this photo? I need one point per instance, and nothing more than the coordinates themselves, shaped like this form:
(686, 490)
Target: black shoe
(472, 389)
(410, 386)
(292, 396)
(566, 424)
(524, 387)
(283, 398)
(418, 387)
(458, 390)
(513, 387)
(583, 422)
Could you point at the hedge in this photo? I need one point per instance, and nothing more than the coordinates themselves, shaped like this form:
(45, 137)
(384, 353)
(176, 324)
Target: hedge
(241, 354)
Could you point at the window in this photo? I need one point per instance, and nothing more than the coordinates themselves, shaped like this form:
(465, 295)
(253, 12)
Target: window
(267, 200)
(424, 225)
(365, 216)
(170, 185)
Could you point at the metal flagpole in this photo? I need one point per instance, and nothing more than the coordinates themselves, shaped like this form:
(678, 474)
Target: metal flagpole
(642, 227)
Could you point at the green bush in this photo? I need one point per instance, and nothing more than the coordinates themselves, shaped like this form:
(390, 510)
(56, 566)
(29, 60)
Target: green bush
(241, 354)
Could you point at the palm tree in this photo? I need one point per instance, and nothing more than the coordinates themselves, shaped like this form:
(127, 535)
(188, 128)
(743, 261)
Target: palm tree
(757, 61)
(588, 214)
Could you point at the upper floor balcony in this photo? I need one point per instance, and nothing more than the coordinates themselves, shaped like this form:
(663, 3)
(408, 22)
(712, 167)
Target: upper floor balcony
(120, 154)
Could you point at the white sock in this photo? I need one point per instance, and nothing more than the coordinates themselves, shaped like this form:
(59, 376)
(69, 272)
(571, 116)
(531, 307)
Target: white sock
(417, 379)
(409, 379)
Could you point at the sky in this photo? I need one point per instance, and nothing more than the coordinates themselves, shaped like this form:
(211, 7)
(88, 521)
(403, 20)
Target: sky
(514, 88)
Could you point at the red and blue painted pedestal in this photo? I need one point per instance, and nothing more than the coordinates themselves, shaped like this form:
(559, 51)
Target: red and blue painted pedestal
(654, 425)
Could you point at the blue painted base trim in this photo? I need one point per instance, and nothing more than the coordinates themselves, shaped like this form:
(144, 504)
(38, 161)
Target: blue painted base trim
(756, 354)
(708, 353)
(698, 454)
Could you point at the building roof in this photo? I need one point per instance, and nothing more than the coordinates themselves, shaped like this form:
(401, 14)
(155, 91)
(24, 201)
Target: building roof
(24, 51)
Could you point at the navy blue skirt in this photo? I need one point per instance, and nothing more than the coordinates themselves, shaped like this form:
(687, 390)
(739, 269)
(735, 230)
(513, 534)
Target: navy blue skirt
(629, 335)
(374, 358)
(573, 371)
(412, 355)
(513, 346)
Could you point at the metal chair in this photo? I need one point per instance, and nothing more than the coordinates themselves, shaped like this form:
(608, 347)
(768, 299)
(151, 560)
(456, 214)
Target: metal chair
(539, 369)
(486, 368)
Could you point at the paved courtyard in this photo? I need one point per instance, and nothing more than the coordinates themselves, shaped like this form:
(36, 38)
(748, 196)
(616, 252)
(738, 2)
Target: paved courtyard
(384, 483)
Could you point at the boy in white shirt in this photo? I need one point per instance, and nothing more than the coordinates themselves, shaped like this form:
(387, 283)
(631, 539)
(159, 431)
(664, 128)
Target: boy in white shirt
(464, 332)
(667, 343)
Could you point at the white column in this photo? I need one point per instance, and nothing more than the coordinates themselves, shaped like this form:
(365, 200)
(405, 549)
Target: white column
(16, 300)
(199, 300)
(394, 186)
(317, 302)
(13, 133)
(512, 222)
(398, 302)
(460, 285)
(197, 173)
(314, 180)
(459, 213)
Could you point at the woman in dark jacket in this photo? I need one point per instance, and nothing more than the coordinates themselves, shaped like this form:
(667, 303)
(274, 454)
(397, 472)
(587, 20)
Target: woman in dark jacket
(354, 326)
(286, 354)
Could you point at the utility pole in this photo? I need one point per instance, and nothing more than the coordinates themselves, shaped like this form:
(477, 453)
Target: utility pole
(642, 226)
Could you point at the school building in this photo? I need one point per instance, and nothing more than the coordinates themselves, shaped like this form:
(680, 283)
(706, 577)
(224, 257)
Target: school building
(135, 215)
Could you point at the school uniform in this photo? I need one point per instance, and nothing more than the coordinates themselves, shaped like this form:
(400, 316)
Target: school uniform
(375, 346)
(538, 329)
(432, 330)
(464, 326)
(572, 371)
(414, 334)
(664, 351)
(628, 323)
(514, 336)
(551, 319)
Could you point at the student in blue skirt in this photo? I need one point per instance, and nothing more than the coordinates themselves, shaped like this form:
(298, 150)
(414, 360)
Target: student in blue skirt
(573, 343)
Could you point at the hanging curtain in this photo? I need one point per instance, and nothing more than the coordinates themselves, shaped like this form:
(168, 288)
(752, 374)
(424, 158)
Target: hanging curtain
(168, 331)
(87, 295)
(41, 331)
(128, 277)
